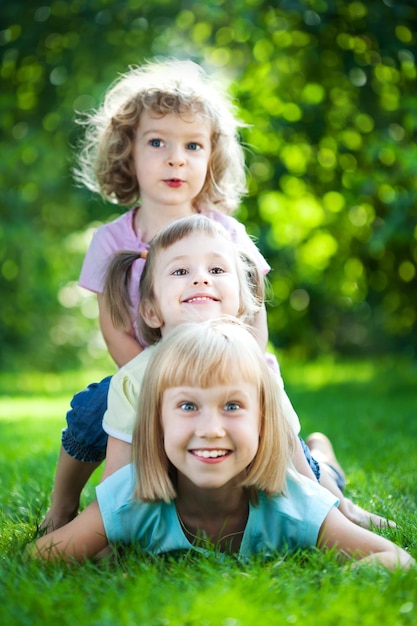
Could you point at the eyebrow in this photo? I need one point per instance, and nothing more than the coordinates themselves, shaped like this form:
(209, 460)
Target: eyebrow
(184, 257)
(194, 135)
(186, 389)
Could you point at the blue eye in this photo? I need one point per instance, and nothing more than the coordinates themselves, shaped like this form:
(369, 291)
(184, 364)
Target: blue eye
(193, 146)
(155, 143)
(232, 406)
(179, 272)
(188, 406)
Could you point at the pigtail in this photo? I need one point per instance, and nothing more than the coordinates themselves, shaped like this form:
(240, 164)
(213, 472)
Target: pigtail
(116, 288)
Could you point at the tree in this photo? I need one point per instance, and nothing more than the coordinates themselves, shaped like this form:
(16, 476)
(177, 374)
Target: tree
(328, 90)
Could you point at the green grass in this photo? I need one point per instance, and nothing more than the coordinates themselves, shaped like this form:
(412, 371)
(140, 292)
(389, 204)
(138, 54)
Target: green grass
(368, 409)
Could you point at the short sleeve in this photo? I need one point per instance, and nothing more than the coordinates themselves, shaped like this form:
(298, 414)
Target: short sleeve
(287, 408)
(153, 526)
(107, 240)
(96, 261)
(289, 522)
(122, 401)
(120, 416)
(114, 494)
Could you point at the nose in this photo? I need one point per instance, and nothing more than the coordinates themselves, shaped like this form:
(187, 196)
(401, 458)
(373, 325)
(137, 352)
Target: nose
(201, 277)
(210, 425)
(202, 281)
(176, 157)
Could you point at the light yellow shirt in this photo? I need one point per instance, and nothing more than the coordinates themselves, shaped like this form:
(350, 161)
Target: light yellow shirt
(123, 397)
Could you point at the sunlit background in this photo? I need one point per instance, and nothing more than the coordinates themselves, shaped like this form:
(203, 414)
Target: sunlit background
(328, 90)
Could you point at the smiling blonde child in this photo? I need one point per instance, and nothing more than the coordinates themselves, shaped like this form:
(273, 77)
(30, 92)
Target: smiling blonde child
(210, 421)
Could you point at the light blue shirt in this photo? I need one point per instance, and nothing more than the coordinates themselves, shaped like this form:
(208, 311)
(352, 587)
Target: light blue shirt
(276, 524)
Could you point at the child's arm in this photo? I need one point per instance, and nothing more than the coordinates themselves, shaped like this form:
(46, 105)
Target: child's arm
(361, 544)
(121, 344)
(118, 454)
(81, 539)
(120, 416)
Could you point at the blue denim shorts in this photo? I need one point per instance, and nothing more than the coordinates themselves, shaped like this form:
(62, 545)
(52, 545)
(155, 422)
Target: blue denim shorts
(84, 438)
(314, 465)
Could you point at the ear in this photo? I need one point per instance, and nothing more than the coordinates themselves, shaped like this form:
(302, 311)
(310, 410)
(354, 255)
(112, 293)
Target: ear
(150, 314)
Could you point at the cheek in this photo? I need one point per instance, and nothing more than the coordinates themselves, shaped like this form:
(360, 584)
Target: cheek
(202, 167)
(171, 437)
(231, 291)
(252, 437)
(167, 443)
(143, 163)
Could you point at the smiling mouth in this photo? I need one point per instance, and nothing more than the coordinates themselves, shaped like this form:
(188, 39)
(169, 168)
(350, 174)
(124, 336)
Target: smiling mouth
(210, 454)
(200, 299)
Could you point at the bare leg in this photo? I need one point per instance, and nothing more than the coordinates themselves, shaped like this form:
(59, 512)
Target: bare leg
(70, 478)
(322, 450)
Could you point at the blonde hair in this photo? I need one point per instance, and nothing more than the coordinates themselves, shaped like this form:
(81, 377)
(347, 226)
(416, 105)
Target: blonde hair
(216, 352)
(106, 162)
(116, 288)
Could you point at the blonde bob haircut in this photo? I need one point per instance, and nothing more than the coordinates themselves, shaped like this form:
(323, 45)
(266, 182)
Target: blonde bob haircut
(106, 159)
(205, 354)
(116, 288)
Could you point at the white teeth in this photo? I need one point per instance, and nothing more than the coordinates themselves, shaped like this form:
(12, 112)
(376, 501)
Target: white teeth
(210, 454)
(199, 299)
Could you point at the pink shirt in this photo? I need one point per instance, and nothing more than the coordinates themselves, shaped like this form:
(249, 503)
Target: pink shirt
(120, 235)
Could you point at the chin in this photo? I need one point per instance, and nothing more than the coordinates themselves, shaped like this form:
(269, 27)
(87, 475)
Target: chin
(203, 314)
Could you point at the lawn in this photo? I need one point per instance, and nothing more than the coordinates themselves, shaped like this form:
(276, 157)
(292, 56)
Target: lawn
(368, 409)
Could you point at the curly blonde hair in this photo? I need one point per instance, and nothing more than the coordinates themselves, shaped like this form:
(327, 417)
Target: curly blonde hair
(106, 163)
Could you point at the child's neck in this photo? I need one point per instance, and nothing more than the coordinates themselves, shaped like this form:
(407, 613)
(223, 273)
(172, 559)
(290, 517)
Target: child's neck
(219, 515)
(150, 220)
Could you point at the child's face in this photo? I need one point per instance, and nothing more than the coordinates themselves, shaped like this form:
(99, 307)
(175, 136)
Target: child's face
(195, 279)
(211, 435)
(171, 158)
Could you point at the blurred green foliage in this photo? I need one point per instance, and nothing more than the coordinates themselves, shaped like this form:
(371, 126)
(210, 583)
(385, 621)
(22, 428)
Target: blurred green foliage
(328, 89)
